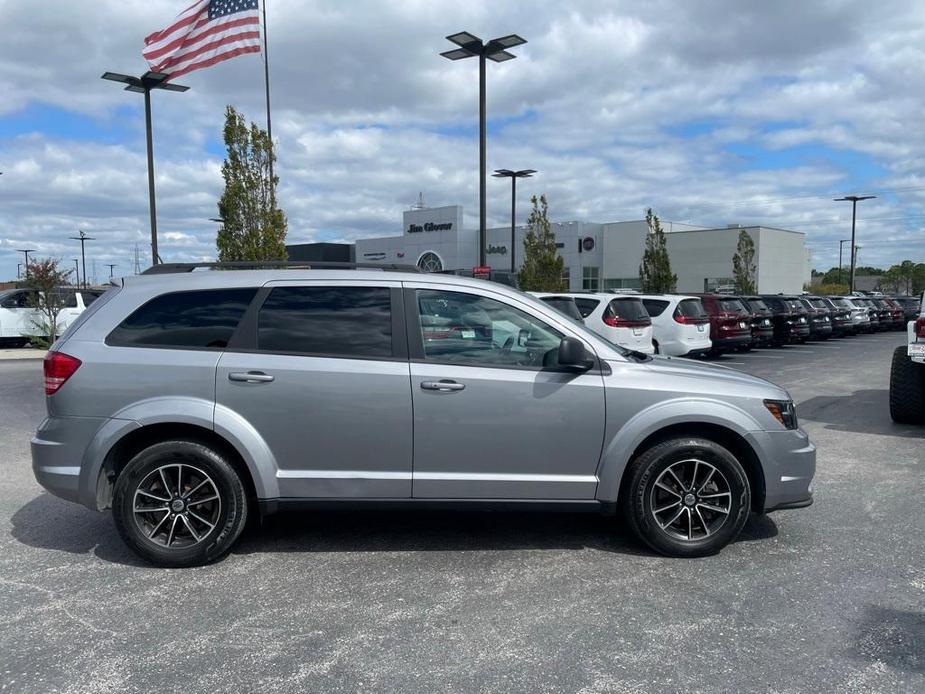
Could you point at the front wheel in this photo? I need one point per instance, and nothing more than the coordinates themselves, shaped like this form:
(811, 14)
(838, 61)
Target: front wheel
(686, 497)
(179, 504)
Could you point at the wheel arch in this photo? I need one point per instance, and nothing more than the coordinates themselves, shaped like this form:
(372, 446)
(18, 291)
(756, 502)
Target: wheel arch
(136, 440)
(729, 439)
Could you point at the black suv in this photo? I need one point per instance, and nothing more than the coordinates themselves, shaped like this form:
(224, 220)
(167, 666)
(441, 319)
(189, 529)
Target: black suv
(761, 320)
(818, 314)
(789, 318)
(840, 313)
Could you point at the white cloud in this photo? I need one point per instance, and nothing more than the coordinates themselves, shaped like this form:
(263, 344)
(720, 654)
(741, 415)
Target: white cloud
(618, 105)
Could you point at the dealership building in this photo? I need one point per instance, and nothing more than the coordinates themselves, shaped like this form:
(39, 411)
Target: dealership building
(597, 255)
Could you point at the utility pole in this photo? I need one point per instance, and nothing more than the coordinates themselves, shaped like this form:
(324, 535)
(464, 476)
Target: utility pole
(76, 273)
(83, 238)
(853, 199)
(26, 252)
(841, 278)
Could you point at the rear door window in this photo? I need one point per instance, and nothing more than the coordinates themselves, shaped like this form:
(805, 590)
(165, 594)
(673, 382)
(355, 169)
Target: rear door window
(731, 306)
(203, 319)
(586, 306)
(351, 322)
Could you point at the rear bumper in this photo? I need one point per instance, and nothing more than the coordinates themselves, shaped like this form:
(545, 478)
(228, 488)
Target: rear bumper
(67, 453)
(789, 462)
(724, 344)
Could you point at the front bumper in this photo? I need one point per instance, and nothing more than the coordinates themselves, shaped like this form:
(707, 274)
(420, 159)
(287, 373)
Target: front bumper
(789, 462)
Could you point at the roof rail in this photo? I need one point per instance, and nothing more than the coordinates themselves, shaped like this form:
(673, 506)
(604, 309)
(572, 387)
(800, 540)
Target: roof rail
(171, 268)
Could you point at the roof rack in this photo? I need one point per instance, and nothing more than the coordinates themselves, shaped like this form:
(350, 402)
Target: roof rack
(171, 268)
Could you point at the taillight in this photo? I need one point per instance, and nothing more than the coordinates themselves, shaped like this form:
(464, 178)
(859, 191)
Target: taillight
(688, 320)
(58, 368)
(617, 322)
(920, 327)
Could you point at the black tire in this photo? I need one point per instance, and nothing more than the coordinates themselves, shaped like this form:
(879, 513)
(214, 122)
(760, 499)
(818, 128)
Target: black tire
(230, 512)
(638, 496)
(655, 346)
(907, 389)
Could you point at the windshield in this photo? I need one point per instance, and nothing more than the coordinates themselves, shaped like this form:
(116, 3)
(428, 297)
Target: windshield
(841, 302)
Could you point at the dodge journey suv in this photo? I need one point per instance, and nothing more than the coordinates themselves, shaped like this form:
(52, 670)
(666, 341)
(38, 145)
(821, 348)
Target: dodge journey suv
(188, 401)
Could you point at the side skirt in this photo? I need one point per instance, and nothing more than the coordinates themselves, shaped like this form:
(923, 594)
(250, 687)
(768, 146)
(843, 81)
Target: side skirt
(271, 506)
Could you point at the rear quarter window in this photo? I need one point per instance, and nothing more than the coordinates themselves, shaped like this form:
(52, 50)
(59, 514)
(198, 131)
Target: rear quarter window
(655, 307)
(565, 305)
(201, 319)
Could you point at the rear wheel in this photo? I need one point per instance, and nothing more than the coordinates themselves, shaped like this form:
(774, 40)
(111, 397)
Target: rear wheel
(179, 503)
(686, 497)
(907, 389)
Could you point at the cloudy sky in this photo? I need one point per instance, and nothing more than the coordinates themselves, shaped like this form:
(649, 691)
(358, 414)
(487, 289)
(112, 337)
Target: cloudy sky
(728, 111)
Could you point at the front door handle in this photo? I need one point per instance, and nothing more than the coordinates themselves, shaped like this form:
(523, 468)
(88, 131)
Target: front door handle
(445, 386)
(250, 377)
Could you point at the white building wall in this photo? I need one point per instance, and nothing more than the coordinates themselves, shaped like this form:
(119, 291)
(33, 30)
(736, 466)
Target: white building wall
(782, 261)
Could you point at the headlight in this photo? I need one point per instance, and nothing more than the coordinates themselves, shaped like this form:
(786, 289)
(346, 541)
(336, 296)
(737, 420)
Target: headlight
(783, 411)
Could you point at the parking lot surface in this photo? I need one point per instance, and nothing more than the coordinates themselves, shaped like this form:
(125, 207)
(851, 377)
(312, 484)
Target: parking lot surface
(829, 598)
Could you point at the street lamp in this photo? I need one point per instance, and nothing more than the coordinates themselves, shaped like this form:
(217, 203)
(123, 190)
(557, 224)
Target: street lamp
(26, 251)
(83, 238)
(111, 266)
(840, 244)
(471, 46)
(853, 199)
(513, 175)
(144, 85)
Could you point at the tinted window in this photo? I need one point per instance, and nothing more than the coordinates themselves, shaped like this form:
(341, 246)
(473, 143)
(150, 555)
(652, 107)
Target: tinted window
(731, 306)
(655, 307)
(564, 304)
(462, 328)
(200, 320)
(90, 297)
(692, 308)
(628, 309)
(67, 298)
(757, 305)
(841, 302)
(586, 306)
(335, 321)
(774, 304)
(818, 303)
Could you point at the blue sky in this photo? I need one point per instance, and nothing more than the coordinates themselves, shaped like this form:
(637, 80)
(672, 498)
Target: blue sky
(727, 112)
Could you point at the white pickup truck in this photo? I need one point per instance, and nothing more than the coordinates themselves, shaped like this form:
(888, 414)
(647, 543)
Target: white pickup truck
(907, 375)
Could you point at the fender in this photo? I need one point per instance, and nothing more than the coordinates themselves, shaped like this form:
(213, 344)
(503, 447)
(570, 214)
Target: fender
(687, 410)
(252, 448)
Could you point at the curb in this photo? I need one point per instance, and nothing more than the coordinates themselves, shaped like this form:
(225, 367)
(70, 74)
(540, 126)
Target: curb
(21, 354)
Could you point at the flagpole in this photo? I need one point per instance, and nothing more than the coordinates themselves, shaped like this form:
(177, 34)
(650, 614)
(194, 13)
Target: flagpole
(266, 81)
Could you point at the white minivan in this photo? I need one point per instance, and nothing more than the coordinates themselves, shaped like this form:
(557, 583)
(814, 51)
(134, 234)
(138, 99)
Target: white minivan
(680, 324)
(621, 319)
(18, 319)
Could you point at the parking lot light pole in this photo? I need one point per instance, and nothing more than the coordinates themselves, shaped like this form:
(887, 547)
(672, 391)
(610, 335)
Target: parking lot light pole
(513, 175)
(471, 46)
(854, 211)
(111, 266)
(144, 85)
(83, 238)
(26, 252)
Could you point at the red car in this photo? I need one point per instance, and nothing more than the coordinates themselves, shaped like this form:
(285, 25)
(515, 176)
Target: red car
(730, 323)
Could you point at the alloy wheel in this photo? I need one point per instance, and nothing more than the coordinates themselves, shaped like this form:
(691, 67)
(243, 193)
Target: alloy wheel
(176, 505)
(691, 500)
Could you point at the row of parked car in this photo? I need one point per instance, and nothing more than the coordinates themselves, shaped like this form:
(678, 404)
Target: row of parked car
(694, 325)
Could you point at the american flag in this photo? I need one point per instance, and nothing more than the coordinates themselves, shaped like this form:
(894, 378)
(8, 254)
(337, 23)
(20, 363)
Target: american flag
(205, 33)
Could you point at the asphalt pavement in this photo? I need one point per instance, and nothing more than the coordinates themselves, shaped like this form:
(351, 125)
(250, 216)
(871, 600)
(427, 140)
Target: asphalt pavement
(826, 599)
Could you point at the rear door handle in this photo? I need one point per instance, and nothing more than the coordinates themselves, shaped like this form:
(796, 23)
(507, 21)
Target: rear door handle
(250, 377)
(445, 386)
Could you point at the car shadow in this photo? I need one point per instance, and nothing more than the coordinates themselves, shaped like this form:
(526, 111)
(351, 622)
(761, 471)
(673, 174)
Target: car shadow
(49, 523)
(864, 412)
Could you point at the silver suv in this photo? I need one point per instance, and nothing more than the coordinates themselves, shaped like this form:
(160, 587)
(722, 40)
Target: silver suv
(187, 401)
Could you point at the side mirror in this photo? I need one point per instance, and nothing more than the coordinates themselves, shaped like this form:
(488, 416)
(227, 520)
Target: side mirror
(573, 356)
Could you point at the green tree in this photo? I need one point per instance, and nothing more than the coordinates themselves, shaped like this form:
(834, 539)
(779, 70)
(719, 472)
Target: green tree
(655, 271)
(253, 227)
(906, 277)
(47, 279)
(542, 267)
(744, 269)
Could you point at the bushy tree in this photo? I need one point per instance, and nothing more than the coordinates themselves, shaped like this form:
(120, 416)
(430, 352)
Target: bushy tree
(655, 271)
(47, 279)
(906, 277)
(253, 227)
(744, 269)
(542, 267)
